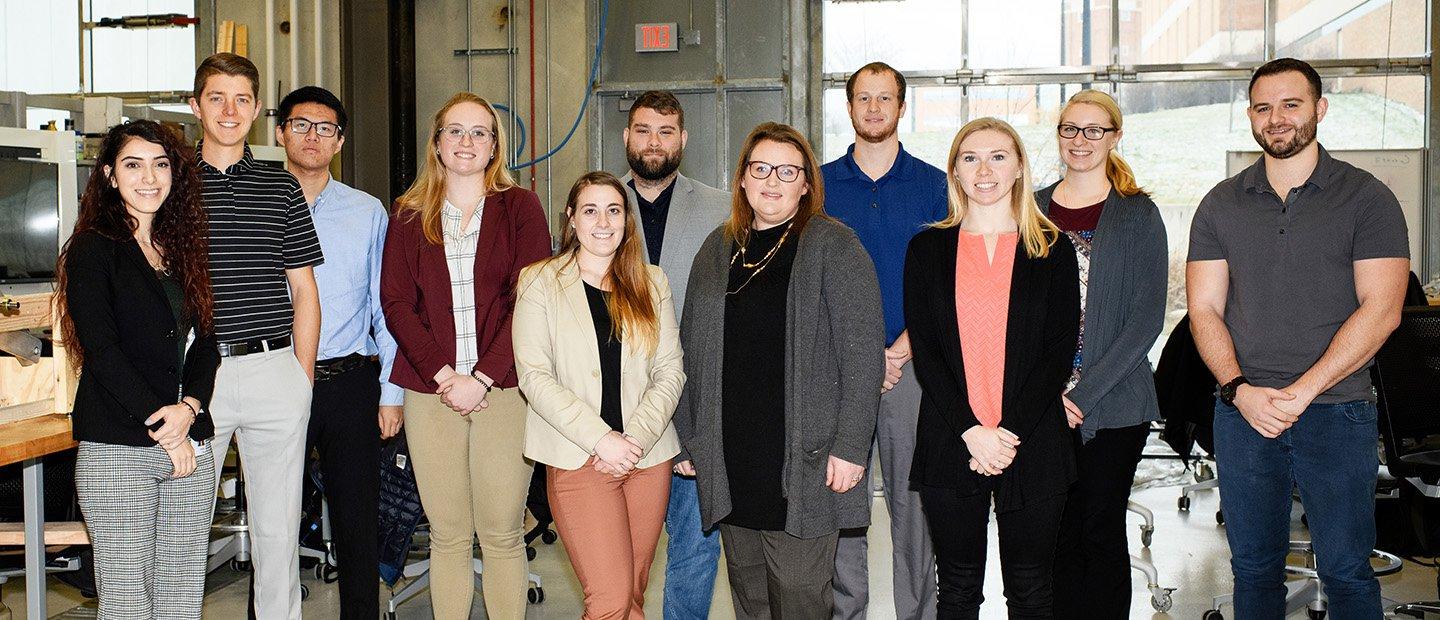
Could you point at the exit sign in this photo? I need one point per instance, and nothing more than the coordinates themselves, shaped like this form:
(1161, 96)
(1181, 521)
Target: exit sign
(655, 38)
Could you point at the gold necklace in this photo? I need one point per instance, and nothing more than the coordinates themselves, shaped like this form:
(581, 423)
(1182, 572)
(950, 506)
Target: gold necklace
(761, 264)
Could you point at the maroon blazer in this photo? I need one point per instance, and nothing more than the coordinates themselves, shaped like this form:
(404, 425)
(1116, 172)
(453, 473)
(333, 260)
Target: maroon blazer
(415, 290)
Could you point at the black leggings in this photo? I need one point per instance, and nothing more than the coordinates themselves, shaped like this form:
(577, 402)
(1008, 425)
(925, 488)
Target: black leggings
(1092, 558)
(958, 526)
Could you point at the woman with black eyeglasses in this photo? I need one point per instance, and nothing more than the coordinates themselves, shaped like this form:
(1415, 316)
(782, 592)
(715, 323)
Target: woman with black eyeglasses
(781, 333)
(1109, 400)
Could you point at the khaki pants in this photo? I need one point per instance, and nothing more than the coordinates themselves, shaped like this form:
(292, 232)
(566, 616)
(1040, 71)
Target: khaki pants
(263, 401)
(473, 480)
(611, 527)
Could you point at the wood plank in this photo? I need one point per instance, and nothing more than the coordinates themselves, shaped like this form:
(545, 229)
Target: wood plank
(56, 533)
(34, 437)
(20, 384)
(34, 312)
(15, 413)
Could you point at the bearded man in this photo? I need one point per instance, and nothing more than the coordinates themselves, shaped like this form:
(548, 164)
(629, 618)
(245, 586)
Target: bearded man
(1296, 276)
(886, 196)
(676, 213)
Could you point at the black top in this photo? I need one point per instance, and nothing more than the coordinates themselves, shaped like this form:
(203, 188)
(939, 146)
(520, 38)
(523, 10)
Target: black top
(126, 327)
(175, 296)
(259, 226)
(1040, 333)
(652, 218)
(753, 382)
(609, 358)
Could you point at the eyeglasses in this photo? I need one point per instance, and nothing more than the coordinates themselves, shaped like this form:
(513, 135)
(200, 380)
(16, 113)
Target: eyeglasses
(1091, 133)
(760, 170)
(303, 126)
(455, 133)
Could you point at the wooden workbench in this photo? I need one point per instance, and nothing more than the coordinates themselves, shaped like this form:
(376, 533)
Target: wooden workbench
(28, 441)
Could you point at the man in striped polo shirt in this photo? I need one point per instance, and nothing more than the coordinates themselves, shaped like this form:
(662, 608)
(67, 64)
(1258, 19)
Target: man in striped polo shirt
(262, 242)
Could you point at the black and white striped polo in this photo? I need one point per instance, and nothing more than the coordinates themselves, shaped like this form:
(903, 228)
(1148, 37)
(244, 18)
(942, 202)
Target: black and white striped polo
(259, 227)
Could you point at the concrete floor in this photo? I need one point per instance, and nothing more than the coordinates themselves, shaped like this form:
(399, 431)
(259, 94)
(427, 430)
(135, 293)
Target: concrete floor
(1188, 550)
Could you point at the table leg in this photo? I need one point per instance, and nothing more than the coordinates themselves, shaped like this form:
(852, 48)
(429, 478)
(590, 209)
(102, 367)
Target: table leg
(34, 540)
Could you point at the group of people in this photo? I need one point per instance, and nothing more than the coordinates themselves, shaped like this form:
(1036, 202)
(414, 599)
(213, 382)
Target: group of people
(717, 365)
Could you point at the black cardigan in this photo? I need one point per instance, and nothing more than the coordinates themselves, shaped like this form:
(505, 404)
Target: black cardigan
(1040, 339)
(125, 326)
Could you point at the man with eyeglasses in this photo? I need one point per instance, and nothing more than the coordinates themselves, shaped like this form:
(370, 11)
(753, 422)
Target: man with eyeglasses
(886, 195)
(676, 213)
(353, 407)
(263, 250)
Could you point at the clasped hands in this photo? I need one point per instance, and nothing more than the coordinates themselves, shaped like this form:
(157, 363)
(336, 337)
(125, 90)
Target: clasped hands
(174, 434)
(991, 449)
(1270, 411)
(465, 394)
(617, 454)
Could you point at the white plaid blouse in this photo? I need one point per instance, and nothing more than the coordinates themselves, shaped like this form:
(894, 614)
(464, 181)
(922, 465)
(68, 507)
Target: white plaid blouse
(460, 241)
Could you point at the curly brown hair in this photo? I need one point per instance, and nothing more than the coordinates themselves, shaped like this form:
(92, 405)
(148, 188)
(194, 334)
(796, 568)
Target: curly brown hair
(180, 228)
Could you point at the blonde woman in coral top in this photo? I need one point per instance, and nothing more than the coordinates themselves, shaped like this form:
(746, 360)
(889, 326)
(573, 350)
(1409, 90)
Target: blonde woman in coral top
(992, 302)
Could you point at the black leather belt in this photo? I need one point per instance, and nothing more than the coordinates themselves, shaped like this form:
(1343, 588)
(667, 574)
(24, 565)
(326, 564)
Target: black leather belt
(253, 346)
(330, 369)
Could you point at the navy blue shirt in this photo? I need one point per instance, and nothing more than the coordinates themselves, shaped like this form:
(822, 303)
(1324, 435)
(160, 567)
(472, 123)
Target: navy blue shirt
(885, 214)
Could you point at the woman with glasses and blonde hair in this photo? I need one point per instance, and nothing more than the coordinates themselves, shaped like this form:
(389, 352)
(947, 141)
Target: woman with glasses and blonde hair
(782, 334)
(1121, 250)
(598, 352)
(992, 302)
(455, 247)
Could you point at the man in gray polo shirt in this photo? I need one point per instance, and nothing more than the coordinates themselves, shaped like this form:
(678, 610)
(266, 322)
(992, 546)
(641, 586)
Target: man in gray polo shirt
(1296, 276)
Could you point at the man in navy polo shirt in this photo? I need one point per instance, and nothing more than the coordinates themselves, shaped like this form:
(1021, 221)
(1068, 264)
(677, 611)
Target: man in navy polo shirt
(887, 195)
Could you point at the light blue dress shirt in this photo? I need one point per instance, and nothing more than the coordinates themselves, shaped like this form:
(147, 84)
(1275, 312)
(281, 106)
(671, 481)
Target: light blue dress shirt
(351, 225)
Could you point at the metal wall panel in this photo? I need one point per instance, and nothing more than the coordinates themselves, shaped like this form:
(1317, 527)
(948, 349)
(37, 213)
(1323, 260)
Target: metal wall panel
(622, 63)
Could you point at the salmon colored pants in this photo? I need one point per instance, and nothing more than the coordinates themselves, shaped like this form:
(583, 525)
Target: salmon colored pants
(610, 527)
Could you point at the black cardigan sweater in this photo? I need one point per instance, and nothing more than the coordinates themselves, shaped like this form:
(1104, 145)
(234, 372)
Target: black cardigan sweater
(1040, 339)
(125, 326)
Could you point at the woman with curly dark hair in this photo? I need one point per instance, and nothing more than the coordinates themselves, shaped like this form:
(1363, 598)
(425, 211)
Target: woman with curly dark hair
(133, 285)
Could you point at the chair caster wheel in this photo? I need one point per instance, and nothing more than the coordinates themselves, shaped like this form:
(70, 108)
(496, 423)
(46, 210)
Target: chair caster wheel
(1213, 614)
(304, 592)
(330, 573)
(536, 595)
(389, 615)
(239, 566)
(1219, 517)
(530, 553)
(1184, 503)
(1162, 603)
(549, 537)
(1315, 614)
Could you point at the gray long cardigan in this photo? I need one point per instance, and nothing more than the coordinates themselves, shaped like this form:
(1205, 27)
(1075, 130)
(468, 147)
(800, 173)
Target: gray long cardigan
(834, 334)
(1124, 312)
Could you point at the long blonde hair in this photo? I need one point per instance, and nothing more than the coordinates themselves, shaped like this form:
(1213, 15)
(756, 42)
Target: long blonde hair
(742, 214)
(1121, 177)
(1037, 232)
(630, 302)
(426, 196)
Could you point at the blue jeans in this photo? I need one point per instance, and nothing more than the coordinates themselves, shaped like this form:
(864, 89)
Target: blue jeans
(692, 555)
(1330, 456)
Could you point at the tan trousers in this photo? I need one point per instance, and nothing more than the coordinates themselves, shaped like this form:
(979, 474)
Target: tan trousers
(473, 481)
(610, 527)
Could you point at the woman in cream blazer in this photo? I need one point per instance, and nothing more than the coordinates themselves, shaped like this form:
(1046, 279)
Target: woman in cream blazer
(597, 350)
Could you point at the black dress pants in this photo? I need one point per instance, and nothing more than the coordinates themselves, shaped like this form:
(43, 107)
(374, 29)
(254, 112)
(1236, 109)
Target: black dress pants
(345, 429)
(1092, 558)
(958, 529)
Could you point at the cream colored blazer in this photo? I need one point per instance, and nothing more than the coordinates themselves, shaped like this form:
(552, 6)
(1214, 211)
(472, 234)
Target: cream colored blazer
(557, 359)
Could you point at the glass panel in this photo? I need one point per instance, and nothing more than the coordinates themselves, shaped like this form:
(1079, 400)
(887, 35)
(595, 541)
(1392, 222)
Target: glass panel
(26, 26)
(1039, 33)
(1375, 113)
(141, 59)
(1313, 29)
(932, 116)
(1172, 31)
(911, 35)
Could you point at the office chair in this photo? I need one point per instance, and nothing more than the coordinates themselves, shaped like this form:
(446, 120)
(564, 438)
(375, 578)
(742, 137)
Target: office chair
(1407, 385)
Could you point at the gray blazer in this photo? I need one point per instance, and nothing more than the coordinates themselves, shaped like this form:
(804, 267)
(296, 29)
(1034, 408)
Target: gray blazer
(1124, 312)
(695, 210)
(834, 336)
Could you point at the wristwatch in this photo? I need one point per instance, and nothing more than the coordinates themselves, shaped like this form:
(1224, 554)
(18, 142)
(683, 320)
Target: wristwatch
(1227, 391)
